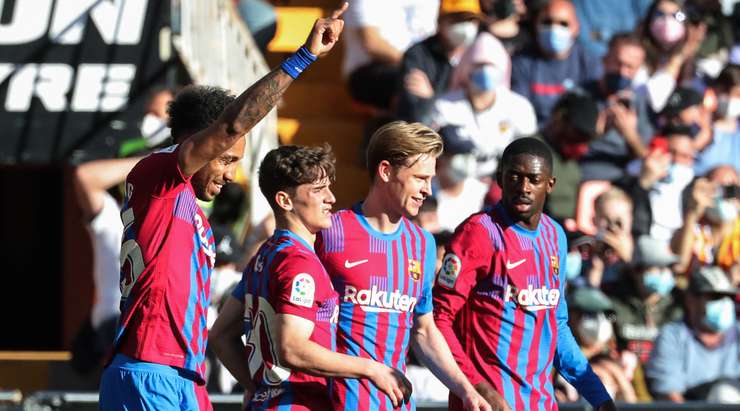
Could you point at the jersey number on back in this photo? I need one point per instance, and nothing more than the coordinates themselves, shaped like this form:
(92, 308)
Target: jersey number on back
(259, 325)
(132, 261)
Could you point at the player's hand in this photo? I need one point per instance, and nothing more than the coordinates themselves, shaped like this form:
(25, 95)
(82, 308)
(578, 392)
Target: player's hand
(497, 402)
(472, 401)
(607, 406)
(325, 32)
(391, 381)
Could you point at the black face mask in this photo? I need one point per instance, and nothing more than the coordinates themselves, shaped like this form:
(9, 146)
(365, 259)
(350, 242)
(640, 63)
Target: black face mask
(615, 82)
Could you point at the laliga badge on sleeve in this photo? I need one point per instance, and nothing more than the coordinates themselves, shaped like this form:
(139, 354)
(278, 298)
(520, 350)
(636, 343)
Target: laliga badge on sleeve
(451, 267)
(302, 290)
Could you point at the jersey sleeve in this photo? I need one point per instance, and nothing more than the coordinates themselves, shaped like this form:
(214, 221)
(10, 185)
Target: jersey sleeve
(464, 264)
(569, 359)
(299, 285)
(239, 290)
(158, 175)
(424, 305)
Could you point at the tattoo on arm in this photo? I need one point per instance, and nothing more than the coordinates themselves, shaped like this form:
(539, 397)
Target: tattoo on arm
(255, 102)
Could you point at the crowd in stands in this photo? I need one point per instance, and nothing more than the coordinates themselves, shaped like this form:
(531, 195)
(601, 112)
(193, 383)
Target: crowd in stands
(640, 103)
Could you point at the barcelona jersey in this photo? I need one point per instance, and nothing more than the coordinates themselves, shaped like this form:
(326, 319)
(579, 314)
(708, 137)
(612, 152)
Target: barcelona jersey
(499, 303)
(384, 280)
(285, 277)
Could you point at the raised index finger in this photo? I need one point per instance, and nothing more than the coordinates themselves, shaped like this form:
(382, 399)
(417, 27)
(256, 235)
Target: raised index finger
(338, 13)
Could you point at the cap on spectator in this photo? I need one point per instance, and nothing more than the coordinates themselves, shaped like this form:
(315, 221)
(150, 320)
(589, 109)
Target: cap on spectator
(650, 252)
(469, 7)
(454, 142)
(672, 129)
(589, 300)
(681, 99)
(711, 279)
(580, 111)
(227, 245)
(578, 238)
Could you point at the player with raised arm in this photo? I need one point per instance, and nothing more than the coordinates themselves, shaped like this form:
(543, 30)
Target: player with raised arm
(382, 265)
(168, 252)
(499, 295)
(285, 303)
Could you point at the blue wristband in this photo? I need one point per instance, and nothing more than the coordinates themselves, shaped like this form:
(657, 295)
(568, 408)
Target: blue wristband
(299, 61)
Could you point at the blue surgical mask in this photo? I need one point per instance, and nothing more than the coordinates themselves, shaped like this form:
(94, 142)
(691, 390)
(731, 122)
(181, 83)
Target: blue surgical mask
(573, 264)
(661, 282)
(486, 78)
(719, 314)
(722, 211)
(615, 82)
(555, 39)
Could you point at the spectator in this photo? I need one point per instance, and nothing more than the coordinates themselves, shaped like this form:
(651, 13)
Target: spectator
(644, 300)
(613, 245)
(709, 217)
(555, 64)
(568, 132)
(378, 33)
(590, 320)
(725, 145)
(600, 20)
(101, 214)
(153, 127)
(712, 54)
(427, 66)
(481, 104)
(671, 42)
(427, 217)
(685, 107)
(657, 190)
(459, 194)
(627, 129)
(505, 22)
(701, 353)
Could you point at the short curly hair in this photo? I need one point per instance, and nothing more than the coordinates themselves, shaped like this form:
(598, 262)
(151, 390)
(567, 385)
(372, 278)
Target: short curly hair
(195, 108)
(287, 167)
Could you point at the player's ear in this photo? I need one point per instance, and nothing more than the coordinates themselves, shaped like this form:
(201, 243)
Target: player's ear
(551, 184)
(385, 170)
(283, 200)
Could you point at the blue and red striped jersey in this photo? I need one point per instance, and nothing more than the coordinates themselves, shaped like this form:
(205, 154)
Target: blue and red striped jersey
(285, 277)
(499, 303)
(384, 280)
(167, 256)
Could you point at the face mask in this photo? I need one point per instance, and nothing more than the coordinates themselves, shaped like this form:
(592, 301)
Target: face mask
(595, 329)
(661, 282)
(555, 39)
(462, 34)
(573, 264)
(728, 107)
(667, 30)
(719, 314)
(722, 211)
(461, 166)
(154, 130)
(615, 82)
(486, 78)
(679, 174)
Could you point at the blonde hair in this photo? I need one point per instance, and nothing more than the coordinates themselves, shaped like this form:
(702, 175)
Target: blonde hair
(398, 141)
(611, 194)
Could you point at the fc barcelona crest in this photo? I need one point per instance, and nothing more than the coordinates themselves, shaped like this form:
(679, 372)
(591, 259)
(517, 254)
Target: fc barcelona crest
(414, 269)
(555, 264)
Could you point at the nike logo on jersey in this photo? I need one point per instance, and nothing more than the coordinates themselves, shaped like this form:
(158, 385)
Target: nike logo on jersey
(511, 266)
(347, 264)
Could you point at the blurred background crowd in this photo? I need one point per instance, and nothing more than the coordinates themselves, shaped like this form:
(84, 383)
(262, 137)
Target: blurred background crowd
(640, 103)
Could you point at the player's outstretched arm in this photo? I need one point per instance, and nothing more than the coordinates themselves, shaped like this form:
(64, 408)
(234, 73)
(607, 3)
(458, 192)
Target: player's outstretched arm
(225, 338)
(253, 104)
(431, 347)
(93, 178)
(299, 353)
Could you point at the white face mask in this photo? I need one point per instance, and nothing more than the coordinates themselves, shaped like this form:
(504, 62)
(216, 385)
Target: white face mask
(595, 329)
(462, 34)
(154, 129)
(733, 108)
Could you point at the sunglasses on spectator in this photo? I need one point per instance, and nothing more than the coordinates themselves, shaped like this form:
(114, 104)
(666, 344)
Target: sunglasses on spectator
(552, 22)
(679, 15)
